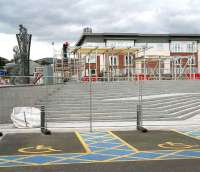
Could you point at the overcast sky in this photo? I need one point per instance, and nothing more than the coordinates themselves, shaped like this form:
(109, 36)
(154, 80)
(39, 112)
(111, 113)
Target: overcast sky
(64, 20)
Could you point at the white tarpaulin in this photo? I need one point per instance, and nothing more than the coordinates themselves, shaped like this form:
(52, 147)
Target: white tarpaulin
(26, 117)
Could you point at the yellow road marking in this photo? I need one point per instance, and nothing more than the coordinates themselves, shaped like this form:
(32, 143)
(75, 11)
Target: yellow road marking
(152, 151)
(127, 144)
(172, 145)
(38, 149)
(19, 160)
(86, 147)
(107, 149)
(41, 147)
(169, 154)
(120, 156)
(67, 158)
(90, 162)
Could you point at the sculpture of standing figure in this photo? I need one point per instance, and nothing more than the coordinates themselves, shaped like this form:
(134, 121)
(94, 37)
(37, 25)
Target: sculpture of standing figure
(24, 43)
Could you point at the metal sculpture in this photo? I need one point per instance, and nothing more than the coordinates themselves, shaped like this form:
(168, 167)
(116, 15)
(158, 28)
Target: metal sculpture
(16, 55)
(22, 52)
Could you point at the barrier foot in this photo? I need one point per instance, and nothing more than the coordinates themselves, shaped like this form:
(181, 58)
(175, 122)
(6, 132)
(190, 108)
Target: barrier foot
(142, 129)
(46, 131)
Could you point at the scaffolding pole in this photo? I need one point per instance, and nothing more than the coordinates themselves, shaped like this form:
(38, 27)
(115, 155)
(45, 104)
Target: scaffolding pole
(144, 62)
(159, 72)
(112, 59)
(108, 68)
(175, 72)
(144, 68)
(85, 62)
(104, 68)
(77, 65)
(128, 59)
(96, 64)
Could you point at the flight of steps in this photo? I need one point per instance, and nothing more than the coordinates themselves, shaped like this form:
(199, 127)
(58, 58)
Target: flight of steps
(71, 104)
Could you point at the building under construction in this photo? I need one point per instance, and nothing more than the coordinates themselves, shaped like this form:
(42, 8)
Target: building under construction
(112, 56)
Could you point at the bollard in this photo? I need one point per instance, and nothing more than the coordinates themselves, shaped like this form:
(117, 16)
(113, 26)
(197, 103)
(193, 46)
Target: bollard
(44, 130)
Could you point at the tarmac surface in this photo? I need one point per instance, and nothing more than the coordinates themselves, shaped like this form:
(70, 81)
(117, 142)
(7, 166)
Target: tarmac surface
(158, 140)
(37, 143)
(141, 166)
(101, 151)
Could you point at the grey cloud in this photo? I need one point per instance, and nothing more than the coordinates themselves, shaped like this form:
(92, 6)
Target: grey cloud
(52, 20)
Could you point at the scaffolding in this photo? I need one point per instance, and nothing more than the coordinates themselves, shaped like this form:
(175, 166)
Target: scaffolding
(166, 67)
(100, 62)
(124, 63)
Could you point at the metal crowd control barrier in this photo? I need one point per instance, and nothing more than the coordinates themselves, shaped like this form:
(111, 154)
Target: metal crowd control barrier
(139, 117)
(44, 129)
(100, 105)
(43, 126)
(171, 104)
(17, 94)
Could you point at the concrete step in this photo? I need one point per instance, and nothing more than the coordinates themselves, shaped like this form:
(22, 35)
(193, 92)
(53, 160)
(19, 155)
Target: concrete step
(171, 104)
(180, 113)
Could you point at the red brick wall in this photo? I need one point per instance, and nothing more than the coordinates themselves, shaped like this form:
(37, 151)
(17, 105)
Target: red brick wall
(182, 54)
(121, 61)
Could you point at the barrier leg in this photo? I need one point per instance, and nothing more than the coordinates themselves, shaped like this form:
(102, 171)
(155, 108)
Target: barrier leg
(44, 130)
(139, 120)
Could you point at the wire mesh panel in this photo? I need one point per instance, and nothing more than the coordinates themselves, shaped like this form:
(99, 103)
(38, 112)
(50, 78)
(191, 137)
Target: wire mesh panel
(171, 103)
(114, 104)
(69, 106)
(92, 105)
(23, 100)
(100, 104)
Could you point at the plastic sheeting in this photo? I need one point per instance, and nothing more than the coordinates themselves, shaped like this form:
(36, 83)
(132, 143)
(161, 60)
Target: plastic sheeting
(26, 117)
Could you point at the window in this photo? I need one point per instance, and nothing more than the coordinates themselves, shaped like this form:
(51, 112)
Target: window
(113, 60)
(193, 60)
(191, 47)
(120, 43)
(93, 71)
(93, 44)
(91, 59)
(141, 44)
(183, 46)
(159, 46)
(128, 60)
